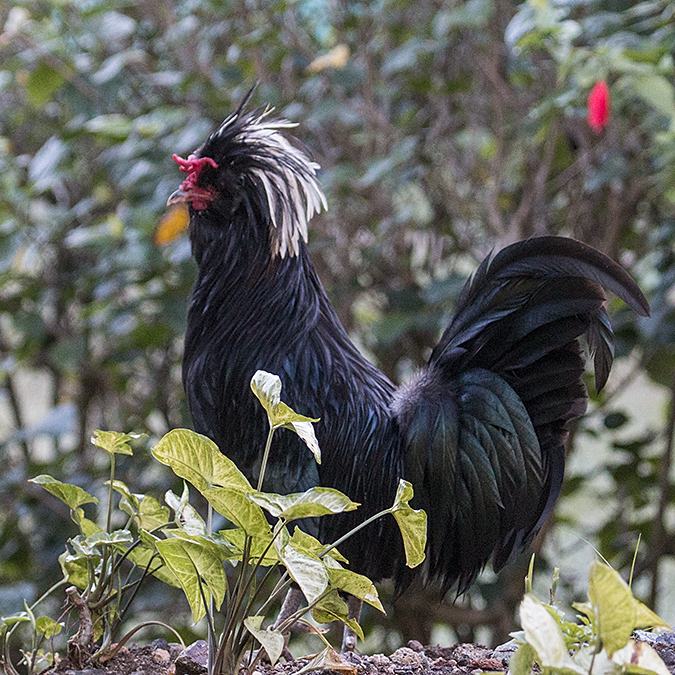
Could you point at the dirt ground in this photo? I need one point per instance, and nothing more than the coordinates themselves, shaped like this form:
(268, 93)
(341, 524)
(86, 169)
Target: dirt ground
(463, 659)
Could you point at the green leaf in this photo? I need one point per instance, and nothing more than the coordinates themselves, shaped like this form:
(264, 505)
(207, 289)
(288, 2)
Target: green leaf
(657, 91)
(151, 513)
(412, 523)
(142, 555)
(330, 608)
(617, 612)
(259, 544)
(129, 502)
(543, 633)
(237, 508)
(316, 501)
(267, 388)
(639, 657)
(522, 661)
(192, 558)
(75, 569)
(47, 627)
(86, 526)
(273, 641)
(146, 510)
(305, 543)
(13, 619)
(198, 460)
(350, 582)
(71, 495)
(645, 618)
(114, 442)
(333, 608)
(43, 83)
(307, 571)
(614, 607)
(115, 126)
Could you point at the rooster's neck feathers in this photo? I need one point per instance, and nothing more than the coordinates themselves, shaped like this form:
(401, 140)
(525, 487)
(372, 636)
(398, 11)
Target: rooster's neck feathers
(279, 178)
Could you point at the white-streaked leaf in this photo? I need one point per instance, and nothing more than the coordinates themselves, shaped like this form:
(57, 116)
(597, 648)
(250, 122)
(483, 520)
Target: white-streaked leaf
(639, 657)
(13, 619)
(272, 640)
(267, 388)
(543, 633)
(328, 659)
(316, 501)
(305, 429)
(185, 515)
(308, 572)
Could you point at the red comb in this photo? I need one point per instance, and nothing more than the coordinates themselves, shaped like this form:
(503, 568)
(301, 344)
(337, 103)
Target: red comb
(193, 166)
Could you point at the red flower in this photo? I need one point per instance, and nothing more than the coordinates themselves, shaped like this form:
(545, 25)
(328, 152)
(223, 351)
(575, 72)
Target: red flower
(598, 106)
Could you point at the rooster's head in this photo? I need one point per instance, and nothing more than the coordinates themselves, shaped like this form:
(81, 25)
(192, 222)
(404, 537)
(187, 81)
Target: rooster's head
(248, 168)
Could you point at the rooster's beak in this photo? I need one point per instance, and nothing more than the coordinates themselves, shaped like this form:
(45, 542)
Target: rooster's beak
(178, 197)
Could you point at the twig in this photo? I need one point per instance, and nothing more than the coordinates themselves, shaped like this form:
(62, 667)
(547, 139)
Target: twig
(80, 643)
(658, 539)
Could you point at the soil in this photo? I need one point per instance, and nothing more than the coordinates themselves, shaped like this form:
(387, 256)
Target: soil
(415, 659)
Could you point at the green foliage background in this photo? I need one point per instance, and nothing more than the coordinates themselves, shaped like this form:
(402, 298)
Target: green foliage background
(451, 128)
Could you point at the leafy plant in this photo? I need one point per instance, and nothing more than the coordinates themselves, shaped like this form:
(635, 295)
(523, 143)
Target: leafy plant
(42, 628)
(185, 551)
(599, 643)
(196, 555)
(94, 560)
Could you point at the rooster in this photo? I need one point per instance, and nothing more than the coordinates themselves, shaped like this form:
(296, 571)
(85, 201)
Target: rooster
(480, 432)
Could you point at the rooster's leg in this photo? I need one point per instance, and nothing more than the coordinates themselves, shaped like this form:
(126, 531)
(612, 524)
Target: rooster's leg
(353, 612)
(291, 604)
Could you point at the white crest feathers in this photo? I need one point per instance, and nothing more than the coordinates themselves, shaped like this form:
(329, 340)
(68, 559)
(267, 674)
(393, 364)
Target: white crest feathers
(291, 186)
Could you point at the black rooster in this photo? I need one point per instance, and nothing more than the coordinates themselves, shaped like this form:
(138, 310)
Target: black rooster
(480, 432)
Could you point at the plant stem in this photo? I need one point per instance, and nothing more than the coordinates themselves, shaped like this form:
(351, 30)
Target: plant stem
(354, 531)
(122, 642)
(110, 492)
(658, 539)
(266, 455)
(281, 585)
